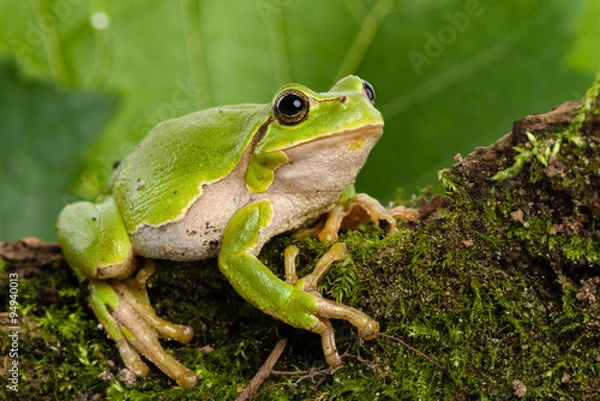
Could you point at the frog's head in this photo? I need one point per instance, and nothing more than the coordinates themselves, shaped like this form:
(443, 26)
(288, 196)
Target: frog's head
(324, 137)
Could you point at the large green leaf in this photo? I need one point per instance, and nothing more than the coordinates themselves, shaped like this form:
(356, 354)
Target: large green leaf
(44, 132)
(450, 75)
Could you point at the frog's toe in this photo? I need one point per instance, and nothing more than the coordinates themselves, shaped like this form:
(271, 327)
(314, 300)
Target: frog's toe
(327, 309)
(361, 209)
(369, 329)
(131, 358)
(134, 326)
(319, 309)
(143, 339)
(325, 329)
(143, 309)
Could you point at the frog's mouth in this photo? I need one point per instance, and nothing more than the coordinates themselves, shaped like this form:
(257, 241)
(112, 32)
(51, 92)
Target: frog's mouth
(370, 131)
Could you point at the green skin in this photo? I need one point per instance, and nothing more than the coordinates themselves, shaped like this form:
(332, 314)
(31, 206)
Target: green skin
(222, 182)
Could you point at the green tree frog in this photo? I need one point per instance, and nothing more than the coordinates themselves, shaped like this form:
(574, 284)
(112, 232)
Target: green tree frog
(220, 183)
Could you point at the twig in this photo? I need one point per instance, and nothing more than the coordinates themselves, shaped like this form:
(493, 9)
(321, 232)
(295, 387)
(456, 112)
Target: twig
(304, 374)
(416, 351)
(264, 372)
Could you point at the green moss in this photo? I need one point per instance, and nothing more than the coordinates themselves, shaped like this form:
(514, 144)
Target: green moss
(533, 150)
(588, 106)
(484, 320)
(549, 145)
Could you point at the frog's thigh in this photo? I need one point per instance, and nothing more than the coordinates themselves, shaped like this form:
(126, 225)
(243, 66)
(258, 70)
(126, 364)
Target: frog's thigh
(95, 241)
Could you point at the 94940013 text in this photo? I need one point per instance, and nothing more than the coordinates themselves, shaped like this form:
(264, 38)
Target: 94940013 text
(13, 327)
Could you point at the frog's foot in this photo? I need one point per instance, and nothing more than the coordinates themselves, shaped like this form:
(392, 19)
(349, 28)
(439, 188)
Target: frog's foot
(123, 309)
(325, 308)
(405, 213)
(360, 209)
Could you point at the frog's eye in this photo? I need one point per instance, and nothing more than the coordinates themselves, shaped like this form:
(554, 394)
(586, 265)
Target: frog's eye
(291, 107)
(369, 91)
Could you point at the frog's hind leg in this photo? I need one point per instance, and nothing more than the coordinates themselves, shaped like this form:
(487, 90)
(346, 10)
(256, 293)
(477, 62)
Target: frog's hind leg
(122, 307)
(133, 291)
(96, 245)
(359, 209)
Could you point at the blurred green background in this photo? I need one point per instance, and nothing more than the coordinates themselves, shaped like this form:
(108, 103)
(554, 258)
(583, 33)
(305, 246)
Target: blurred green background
(82, 81)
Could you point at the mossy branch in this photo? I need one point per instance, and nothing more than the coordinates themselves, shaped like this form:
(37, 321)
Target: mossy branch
(550, 148)
(500, 286)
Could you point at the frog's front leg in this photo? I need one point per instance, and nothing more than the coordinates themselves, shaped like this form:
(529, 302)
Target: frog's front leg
(97, 247)
(367, 327)
(294, 301)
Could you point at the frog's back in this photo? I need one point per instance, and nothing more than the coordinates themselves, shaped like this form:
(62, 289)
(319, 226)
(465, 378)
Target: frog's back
(165, 173)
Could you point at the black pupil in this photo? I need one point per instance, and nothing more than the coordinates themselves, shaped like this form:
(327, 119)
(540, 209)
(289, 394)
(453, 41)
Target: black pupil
(369, 91)
(290, 105)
